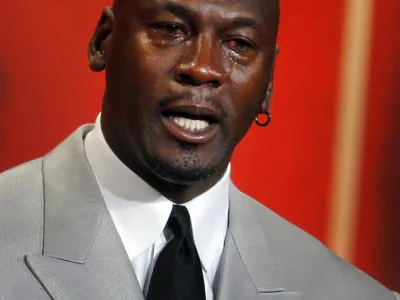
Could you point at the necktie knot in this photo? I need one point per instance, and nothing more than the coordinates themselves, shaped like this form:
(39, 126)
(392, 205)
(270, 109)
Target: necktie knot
(179, 222)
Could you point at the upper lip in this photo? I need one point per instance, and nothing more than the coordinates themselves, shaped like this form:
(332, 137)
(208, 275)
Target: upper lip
(192, 108)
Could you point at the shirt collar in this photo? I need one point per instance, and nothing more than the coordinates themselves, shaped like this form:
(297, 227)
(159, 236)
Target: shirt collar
(140, 213)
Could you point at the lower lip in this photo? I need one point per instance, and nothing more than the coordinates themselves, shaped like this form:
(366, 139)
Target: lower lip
(186, 135)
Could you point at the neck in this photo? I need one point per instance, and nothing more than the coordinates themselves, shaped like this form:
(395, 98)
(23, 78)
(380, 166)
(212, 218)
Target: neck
(175, 192)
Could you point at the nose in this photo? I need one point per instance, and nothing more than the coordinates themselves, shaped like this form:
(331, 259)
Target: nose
(200, 64)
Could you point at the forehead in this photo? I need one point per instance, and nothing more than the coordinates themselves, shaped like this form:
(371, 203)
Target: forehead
(219, 5)
(264, 11)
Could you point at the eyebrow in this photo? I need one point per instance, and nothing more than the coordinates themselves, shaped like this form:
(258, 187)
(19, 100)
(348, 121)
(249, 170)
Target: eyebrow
(245, 22)
(175, 8)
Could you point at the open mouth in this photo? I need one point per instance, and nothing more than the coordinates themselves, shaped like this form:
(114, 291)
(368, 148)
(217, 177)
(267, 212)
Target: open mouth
(191, 124)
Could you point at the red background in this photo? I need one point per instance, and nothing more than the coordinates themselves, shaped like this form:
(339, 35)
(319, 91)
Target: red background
(47, 90)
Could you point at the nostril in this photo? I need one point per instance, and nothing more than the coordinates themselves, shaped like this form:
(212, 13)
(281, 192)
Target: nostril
(186, 79)
(189, 80)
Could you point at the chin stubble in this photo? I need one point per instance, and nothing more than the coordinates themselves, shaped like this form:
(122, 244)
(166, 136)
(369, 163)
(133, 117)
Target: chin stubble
(188, 168)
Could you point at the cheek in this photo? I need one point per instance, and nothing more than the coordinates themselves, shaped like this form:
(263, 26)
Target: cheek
(247, 94)
(152, 59)
(142, 71)
(249, 91)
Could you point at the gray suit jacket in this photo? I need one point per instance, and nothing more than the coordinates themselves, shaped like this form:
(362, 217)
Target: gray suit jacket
(57, 241)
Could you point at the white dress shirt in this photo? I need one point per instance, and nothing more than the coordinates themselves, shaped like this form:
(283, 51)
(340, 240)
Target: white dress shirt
(140, 213)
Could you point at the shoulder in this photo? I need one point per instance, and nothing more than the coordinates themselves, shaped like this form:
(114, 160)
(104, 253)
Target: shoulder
(21, 227)
(308, 265)
(21, 202)
(26, 177)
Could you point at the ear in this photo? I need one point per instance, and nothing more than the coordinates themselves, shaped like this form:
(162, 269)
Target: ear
(268, 96)
(97, 44)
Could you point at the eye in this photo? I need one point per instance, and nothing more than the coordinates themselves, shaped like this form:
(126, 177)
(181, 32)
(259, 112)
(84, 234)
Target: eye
(241, 46)
(171, 29)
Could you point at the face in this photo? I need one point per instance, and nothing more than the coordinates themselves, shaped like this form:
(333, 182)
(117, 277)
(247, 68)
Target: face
(184, 80)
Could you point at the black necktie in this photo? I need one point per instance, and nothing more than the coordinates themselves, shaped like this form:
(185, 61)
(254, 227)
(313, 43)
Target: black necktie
(177, 274)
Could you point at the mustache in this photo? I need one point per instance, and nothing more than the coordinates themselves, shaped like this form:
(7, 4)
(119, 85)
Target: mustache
(208, 98)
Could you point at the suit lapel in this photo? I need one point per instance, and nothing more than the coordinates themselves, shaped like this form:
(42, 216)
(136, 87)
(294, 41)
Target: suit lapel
(83, 256)
(248, 269)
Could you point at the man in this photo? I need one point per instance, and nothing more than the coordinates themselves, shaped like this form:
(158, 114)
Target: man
(140, 206)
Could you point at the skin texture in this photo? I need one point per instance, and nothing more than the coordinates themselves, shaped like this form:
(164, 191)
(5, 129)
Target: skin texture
(196, 54)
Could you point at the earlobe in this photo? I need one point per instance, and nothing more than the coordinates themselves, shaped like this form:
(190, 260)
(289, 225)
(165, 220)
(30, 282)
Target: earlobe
(267, 100)
(265, 106)
(268, 95)
(97, 45)
(266, 118)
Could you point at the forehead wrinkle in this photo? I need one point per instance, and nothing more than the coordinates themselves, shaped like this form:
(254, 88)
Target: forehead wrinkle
(249, 7)
(265, 12)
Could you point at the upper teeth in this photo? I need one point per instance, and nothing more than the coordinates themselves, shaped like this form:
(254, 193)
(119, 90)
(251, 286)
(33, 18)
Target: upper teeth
(193, 125)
